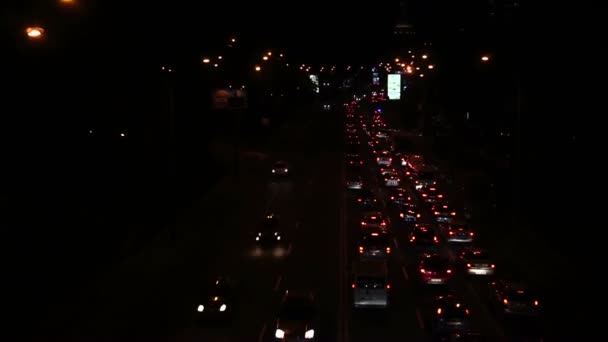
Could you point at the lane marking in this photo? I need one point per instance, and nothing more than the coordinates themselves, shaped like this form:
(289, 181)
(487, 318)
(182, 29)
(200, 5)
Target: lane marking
(395, 243)
(262, 331)
(405, 275)
(277, 283)
(419, 319)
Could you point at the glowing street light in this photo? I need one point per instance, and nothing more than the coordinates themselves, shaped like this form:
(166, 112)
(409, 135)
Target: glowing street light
(34, 32)
(265, 58)
(206, 60)
(258, 68)
(485, 58)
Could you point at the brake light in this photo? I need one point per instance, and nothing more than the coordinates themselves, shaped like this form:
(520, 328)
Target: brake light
(437, 213)
(493, 266)
(435, 239)
(439, 196)
(352, 286)
(383, 223)
(451, 232)
(374, 234)
(388, 286)
(471, 233)
(422, 270)
(388, 250)
(535, 303)
(392, 197)
(453, 213)
(468, 265)
(439, 311)
(425, 195)
(363, 223)
(377, 159)
(505, 301)
(359, 200)
(449, 271)
(360, 249)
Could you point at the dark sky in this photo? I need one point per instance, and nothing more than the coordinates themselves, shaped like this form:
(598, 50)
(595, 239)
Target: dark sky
(327, 30)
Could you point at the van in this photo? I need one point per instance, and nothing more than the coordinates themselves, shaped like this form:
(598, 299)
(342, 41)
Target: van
(370, 284)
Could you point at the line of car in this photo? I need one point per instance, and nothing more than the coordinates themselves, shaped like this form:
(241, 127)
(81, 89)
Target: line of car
(440, 239)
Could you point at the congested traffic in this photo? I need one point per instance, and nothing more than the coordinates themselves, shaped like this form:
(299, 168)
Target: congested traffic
(397, 192)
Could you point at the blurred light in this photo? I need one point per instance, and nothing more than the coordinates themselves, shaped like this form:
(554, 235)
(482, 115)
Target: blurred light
(258, 68)
(424, 56)
(485, 58)
(265, 58)
(269, 53)
(219, 57)
(34, 32)
(233, 40)
(206, 60)
(421, 75)
(431, 66)
(403, 64)
(67, 2)
(216, 65)
(287, 64)
(396, 60)
(281, 55)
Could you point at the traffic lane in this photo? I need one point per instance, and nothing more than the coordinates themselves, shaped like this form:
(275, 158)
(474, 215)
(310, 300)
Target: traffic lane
(425, 295)
(402, 320)
(209, 231)
(156, 291)
(313, 262)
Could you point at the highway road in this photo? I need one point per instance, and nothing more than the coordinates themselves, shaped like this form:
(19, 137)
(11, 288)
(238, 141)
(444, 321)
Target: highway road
(154, 293)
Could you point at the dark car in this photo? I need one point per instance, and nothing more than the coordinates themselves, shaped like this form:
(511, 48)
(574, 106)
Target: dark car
(269, 231)
(297, 318)
(217, 300)
(367, 200)
(451, 315)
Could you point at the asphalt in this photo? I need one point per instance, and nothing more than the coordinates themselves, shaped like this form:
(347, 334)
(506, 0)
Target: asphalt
(153, 294)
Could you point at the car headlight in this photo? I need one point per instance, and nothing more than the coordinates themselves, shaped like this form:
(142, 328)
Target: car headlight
(200, 308)
(223, 307)
(279, 333)
(310, 334)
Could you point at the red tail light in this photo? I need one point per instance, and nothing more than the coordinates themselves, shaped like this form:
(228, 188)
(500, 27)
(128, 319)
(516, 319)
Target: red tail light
(388, 250)
(449, 271)
(359, 200)
(451, 233)
(453, 213)
(363, 223)
(439, 196)
(422, 270)
(360, 249)
(388, 286)
(437, 213)
(352, 286)
(435, 239)
(425, 195)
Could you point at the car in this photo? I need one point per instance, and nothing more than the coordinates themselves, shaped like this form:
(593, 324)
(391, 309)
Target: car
(423, 238)
(280, 168)
(460, 233)
(435, 269)
(514, 298)
(398, 196)
(408, 211)
(354, 160)
(431, 194)
(426, 177)
(354, 182)
(477, 261)
(217, 301)
(367, 200)
(375, 244)
(443, 212)
(451, 315)
(297, 318)
(384, 158)
(392, 181)
(374, 219)
(269, 233)
(387, 172)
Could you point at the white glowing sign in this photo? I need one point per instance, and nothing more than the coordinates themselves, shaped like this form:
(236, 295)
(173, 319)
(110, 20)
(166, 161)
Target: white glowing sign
(394, 86)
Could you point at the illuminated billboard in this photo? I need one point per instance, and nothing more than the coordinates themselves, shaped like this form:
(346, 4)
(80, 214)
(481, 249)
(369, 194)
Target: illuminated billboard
(315, 82)
(394, 86)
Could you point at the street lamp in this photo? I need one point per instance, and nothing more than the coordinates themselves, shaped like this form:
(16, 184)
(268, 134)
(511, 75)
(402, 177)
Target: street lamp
(34, 32)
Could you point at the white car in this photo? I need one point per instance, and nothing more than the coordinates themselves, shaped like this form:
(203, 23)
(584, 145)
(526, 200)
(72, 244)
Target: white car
(280, 168)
